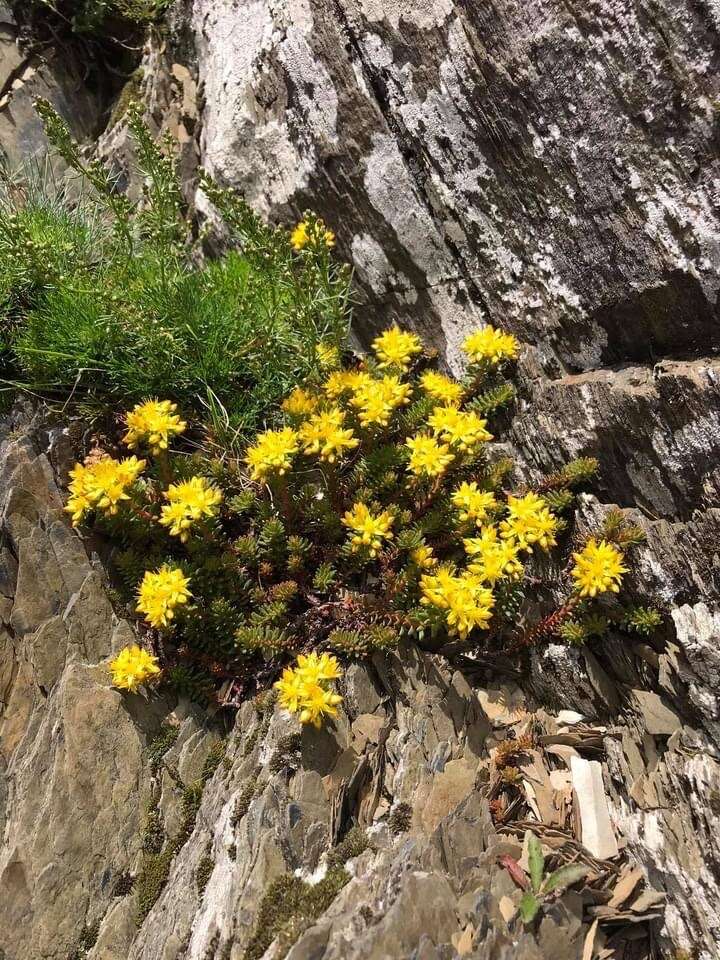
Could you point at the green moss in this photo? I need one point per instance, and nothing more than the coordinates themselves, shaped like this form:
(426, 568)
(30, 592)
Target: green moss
(151, 880)
(242, 804)
(189, 805)
(400, 818)
(153, 836)
(352, 845)
(213, 760)
(158, 747)
(232, 851)
(87, 940)
(204, 870)
(123, 884)
(155, 866)
(288, 907)
(129, 92)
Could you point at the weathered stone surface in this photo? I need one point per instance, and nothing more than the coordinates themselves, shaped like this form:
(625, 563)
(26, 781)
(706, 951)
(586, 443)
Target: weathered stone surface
(26, 75)
(550, 168)
(73, 771)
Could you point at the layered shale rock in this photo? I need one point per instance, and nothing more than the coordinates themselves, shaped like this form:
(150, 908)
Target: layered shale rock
(547, 167)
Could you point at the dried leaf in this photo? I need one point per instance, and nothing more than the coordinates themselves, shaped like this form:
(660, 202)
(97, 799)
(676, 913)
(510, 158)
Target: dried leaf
(515, 870)
(589, 945)
(596, 831)
(625, 886)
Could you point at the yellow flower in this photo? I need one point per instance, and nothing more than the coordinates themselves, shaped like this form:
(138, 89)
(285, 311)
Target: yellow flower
(317, 668)
(272, 452)
(441, 388)
(428, 458)
(290, 689)
(192, 500)
(324, 434)
(318, 702)
(132, 667)
(160, 593)
(396, 348)
(376, 400)
(153, 424)
(300, 403)
(462, 429)
(370, 530)
(299, 236)
(598, 568)
(491, 345)
(101, 483)
(472, 503)
(423, 558)
(493, 558)
(304, 688)
(328, 356)
(344, 381)
(529, 521)
(463, 598)
(313, 232)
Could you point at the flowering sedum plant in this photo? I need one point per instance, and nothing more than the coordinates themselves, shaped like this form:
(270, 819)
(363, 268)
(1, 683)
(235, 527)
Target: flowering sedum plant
(376, 506)
(304, 688)
(132, 668)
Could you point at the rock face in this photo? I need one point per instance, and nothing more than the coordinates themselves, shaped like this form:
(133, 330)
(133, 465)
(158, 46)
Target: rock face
(547, 167)
(25, 75)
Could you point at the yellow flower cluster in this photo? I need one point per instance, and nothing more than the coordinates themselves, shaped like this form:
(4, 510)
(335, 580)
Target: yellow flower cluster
(272, 452)
(423, 558)
(370, 530)
(462, 429)
(190, 501)
(314, 233)
(428, 458)
(377, 400)
(490, 346)
(325, 434)
(493, 558)
(396, 348)
(304, 688)
(341, 382)
(300, 403)
(328, 356)
(598, 568)
(101, 484)
(153, 424)
(441, 388)
(472, 503)
(133, 667)
(465, 600)
(530, 521)
(160, 593)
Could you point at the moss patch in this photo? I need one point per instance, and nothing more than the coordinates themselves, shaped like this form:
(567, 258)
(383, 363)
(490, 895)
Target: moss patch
(243, 802)
(153, 832)
(213, 760)
(88, 939)
(131, 91)
(204, 870)
(155, 867)
(400, 818)
(354, 843)
(160, 745)
(152, 878)
(288, 907)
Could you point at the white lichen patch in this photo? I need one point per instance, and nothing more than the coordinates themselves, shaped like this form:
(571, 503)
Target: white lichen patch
(424, 14)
